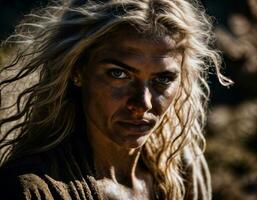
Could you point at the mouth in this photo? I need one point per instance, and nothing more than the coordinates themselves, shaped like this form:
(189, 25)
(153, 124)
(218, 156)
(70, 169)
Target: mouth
(138, 126)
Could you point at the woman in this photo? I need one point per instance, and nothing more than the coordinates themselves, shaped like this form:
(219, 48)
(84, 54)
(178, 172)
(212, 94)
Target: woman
(114, 102)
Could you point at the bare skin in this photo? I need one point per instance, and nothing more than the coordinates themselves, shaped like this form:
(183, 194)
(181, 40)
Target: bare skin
(127, 87)
(118, 174)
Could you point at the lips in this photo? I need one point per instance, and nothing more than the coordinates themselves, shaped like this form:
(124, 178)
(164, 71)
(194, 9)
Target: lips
(140, 126)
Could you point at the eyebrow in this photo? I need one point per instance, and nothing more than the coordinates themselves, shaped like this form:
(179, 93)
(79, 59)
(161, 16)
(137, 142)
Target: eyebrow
(170, 72)
(132, 69)
(120, 64)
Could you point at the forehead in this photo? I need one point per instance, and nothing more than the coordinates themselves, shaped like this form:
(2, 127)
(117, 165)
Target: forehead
(127, 43)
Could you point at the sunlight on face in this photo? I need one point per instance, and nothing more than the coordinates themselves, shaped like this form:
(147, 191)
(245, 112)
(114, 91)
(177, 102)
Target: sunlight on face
(127, 87)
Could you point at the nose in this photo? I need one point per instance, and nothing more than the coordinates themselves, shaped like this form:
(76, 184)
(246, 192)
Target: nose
(141, 101)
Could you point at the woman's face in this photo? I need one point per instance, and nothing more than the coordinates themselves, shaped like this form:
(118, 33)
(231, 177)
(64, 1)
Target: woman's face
(128, 85)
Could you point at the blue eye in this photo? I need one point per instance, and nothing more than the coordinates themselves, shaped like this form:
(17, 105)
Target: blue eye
(163, 80)
(117, 73)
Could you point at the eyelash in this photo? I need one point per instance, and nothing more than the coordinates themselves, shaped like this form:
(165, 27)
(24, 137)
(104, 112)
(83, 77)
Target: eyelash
(111, 72)
(168, 80)
(125, 75)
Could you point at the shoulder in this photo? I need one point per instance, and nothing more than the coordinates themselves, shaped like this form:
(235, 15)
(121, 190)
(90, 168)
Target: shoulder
(60, 173)
(23, 178)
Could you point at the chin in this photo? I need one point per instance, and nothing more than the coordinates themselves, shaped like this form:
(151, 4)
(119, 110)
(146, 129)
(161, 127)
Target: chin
(133, 142)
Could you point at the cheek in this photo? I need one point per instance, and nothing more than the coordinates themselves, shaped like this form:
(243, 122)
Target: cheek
(100, 98)
(167, 98)
(118, 93)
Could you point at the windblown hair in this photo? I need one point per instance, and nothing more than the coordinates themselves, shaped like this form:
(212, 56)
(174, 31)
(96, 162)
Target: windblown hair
(51, 43)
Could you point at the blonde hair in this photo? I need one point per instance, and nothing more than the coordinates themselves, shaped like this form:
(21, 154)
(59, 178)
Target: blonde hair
(53, 42)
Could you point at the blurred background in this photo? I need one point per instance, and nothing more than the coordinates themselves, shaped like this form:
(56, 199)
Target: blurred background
(231, 130)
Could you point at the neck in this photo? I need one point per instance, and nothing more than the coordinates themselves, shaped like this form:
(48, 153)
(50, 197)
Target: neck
(112, 161)
(119, 165)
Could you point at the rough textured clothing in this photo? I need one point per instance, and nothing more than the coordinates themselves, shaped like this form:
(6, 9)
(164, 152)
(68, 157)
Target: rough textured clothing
(64, 174)
(61, 173)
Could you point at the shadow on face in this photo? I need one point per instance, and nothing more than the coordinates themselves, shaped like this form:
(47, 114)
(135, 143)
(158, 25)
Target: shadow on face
(128, 84)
